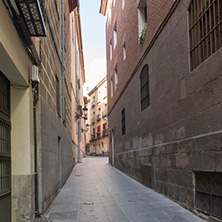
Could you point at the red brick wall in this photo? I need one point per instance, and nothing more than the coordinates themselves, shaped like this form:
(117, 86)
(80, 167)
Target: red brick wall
(127, 31)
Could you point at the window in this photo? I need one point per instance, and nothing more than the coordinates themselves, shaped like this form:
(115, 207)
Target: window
(115, 36)
(57, 96)
(98, 132)
(124, 51)
(205, 30)
(123, 4)
(123, 122)
(114, 2)
(111, 50)
(116, 78)
(144, 88)
(5, 148)
(110, 15)
(208, 193)
(111, 85)
(142, 17)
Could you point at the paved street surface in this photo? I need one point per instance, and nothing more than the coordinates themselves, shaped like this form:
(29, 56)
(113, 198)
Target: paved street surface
(96, 191)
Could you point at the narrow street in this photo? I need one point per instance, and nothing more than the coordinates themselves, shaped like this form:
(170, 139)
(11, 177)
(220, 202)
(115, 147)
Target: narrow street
(96, 191)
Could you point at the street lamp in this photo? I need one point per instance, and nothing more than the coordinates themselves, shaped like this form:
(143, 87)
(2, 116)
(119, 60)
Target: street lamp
(31, 13)
(79, 113)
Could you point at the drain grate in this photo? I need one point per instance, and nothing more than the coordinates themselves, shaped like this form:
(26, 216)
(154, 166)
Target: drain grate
(88, 203)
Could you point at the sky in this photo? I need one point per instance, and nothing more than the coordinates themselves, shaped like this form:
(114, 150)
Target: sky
(93, 35)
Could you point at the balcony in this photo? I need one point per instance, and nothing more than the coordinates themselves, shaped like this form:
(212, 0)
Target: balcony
(98, 117)
(93, 121)
(104, 114)
(98, 135)
(105, 132)
(93, 137)
(93, 104)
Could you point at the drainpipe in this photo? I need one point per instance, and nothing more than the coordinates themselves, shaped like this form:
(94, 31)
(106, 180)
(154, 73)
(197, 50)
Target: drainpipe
(35, 88)
(63, 70)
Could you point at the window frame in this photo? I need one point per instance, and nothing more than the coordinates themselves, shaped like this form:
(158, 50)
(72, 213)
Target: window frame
(115, 36)
(204, 22)
(111, 85)
(124, 51)
(123, 121)
(116, 79)
(144, 85)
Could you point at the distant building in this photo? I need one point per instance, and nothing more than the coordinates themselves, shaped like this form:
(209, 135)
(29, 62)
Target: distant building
(164, 77)
(98, 120)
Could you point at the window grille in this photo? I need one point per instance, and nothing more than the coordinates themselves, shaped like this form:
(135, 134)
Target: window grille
(4, 94)
(123, 122)
(144, 88)
(4, 176)
(205, 18)
(5, 163)
(208, 193)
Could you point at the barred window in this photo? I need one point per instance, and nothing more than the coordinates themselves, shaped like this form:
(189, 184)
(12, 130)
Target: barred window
(205, 18)
(4, 94)
(208, 193)
(123, 122)
(5, 152)
(144, 88)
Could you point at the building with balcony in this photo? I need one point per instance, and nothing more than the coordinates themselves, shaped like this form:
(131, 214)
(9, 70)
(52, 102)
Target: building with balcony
(37, 88)
(98, 125)
(164, 78)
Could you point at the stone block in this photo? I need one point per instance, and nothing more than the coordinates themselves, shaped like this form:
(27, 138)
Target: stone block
(208, 160)
(186, 196)
(182, 161)
(218, 161)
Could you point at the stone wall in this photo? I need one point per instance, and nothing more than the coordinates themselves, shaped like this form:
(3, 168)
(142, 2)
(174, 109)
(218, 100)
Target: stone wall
(180, 132)
(55, 156)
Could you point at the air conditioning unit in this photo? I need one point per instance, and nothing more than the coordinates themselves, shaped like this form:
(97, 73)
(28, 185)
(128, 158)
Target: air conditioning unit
(35, 75)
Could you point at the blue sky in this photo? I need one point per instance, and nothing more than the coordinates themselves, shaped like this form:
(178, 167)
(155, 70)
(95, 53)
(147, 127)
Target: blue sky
(93, 35)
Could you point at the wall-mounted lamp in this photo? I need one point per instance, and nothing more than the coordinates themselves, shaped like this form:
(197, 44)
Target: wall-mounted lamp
(31, 13)
(79, 113)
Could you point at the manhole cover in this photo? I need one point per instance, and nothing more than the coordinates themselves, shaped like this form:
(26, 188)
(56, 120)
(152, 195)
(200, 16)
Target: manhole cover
(63, 215)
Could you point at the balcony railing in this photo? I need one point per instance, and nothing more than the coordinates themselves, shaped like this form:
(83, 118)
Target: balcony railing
(104, 114)
(105, 132)
(99, 135)
(93, 137)
(98, 117)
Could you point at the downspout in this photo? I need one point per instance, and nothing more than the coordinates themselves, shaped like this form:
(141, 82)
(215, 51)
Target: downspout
(37, 215)
(63, 70)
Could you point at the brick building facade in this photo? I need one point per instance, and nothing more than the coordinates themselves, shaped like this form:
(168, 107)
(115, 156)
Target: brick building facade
(164, 114)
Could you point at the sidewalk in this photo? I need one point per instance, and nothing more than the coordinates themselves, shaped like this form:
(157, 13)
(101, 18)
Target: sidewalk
(96, 191)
